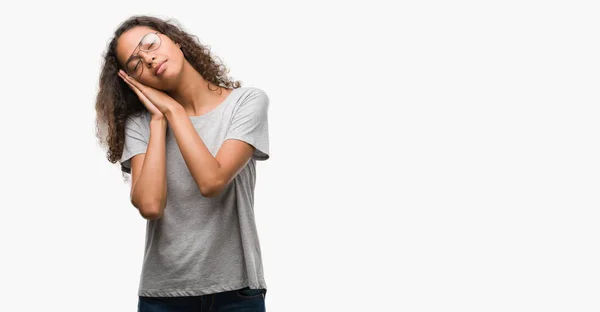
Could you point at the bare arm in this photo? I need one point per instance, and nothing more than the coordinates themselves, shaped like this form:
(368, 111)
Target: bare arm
(148, 172)
(211, 174)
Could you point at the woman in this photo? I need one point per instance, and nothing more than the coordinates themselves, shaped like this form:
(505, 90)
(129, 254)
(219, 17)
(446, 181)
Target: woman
(190, 138)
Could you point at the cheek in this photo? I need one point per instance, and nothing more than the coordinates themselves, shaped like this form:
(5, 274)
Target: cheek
(174, 65)
(177, 58)
(145, 79)
(149, 81)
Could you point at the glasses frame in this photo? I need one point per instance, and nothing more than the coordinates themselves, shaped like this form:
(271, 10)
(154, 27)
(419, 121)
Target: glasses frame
(138, 49)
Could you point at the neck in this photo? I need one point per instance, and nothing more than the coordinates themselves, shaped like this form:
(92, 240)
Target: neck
(193, 92)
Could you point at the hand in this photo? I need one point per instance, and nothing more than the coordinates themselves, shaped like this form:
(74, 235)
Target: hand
(156, 101)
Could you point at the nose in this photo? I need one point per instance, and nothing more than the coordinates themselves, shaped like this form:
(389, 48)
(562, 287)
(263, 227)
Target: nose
(147, 58)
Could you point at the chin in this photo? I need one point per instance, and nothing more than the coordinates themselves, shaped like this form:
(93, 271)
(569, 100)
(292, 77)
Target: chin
(168, 82)
(170, 76)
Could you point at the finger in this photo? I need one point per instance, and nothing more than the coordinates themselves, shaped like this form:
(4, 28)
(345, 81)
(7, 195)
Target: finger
(145, 101)
(122, 74)
(129, 84)
(134, 82)
(137, 91)
(130, 80)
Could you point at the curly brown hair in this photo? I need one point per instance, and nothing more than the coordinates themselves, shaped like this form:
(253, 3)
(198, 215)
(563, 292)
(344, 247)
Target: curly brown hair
(115, 101)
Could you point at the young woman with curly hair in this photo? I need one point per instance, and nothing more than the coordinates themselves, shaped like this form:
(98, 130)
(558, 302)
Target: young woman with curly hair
(189, 137)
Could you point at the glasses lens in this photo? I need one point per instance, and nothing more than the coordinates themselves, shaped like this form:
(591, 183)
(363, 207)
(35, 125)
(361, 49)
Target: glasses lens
(150, 42)
(134, 67)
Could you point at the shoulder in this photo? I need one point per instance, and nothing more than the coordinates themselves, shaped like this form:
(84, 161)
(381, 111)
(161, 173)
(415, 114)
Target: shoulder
(252, 96)
(246, 92)
(139, 120)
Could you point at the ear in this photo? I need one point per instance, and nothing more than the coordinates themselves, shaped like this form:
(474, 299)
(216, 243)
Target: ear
(178, 45)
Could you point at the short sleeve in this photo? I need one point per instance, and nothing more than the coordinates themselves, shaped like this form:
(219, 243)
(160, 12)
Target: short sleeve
(135, 142)
(250, 123)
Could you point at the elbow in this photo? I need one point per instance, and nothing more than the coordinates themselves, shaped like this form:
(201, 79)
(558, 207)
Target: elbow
(151, 214)
(206, 192)
(211, 190)
(150, 210)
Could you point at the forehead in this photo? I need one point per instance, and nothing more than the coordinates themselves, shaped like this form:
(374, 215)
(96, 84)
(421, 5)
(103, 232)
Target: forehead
(129, 40)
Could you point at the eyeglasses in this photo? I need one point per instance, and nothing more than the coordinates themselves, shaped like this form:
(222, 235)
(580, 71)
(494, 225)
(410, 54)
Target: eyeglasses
(134, 65)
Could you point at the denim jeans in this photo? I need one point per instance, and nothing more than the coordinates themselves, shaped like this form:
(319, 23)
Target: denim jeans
(244, 299)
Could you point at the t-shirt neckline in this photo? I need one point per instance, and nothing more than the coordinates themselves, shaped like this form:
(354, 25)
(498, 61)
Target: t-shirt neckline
(216, 108)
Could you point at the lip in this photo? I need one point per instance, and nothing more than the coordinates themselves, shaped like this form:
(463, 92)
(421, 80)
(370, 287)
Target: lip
(160, 68)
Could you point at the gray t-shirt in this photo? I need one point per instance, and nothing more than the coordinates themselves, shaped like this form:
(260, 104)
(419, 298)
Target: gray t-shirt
(205, 245)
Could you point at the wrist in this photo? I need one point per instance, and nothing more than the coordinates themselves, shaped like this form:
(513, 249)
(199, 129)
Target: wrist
(157, 118)
(158, 121)
(172, 110)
